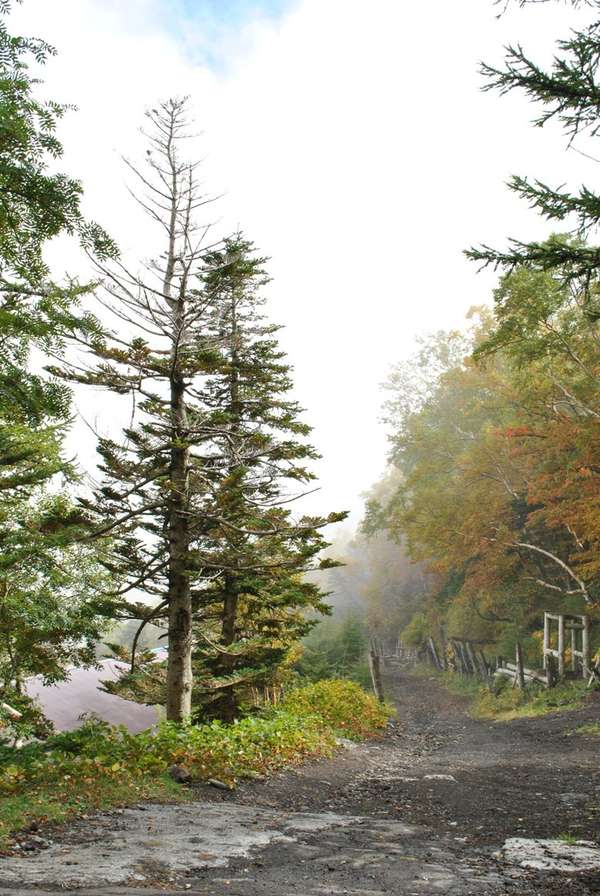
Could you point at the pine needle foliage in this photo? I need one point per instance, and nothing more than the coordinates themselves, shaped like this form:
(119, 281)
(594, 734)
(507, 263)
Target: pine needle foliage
(567, 92)
(256, 607)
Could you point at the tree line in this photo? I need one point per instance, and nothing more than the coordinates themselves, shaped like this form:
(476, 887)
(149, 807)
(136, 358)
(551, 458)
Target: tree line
(189, 524)
(494, 431)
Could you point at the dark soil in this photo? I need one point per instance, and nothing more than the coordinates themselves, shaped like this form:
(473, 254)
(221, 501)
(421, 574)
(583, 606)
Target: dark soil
(524, 778)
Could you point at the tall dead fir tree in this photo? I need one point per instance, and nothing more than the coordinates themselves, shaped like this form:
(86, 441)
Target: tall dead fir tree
(155, 351)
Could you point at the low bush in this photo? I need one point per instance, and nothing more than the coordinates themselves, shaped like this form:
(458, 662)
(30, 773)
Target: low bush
(341, 706)
(97, 765)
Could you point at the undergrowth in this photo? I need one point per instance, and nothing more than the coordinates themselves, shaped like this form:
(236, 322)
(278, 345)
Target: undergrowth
(98, 766)
(502, 702)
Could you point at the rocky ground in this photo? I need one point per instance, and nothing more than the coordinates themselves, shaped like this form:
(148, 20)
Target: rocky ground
(426, 809)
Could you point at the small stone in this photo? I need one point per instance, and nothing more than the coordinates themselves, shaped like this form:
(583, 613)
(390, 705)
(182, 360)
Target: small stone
(220, 785)
(180, 774)
(440, 778)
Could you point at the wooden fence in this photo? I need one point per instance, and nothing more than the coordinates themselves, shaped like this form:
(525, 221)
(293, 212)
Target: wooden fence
(467, 656)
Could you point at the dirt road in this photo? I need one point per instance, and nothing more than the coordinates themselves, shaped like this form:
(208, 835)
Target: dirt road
(425, 810)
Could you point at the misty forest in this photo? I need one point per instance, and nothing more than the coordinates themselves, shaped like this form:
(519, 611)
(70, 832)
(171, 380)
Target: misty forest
(188, 646)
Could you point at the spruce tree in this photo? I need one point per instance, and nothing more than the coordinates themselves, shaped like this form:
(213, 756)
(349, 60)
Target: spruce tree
(36, 205)
(258, 461)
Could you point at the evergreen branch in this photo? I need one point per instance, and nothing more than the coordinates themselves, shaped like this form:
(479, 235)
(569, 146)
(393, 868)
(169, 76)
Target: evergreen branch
(556, 204)
(570, 89)
(573, 262)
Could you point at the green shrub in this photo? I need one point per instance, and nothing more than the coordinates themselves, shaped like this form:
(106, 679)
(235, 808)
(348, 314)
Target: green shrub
(342, 706)
(97, 764)
(507, 702)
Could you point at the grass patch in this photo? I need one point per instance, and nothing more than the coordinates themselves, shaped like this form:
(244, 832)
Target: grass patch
(501, 702)
(592, 729)
(58, 802)
(534, 701)
(569, 839)
(97, 766)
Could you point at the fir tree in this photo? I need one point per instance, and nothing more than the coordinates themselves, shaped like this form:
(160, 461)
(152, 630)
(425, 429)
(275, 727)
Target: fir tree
(51, 577)
(36, 205)
(257, 460)
(50, 612)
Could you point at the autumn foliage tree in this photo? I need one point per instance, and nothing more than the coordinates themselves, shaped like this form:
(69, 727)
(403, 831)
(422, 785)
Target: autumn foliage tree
(498, 493)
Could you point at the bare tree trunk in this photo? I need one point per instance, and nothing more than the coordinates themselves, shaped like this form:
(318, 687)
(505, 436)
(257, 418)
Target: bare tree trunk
(228, 703)
(375, 668)
(179, 666)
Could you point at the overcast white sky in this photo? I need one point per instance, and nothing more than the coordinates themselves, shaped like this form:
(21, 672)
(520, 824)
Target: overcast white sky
(354, 147)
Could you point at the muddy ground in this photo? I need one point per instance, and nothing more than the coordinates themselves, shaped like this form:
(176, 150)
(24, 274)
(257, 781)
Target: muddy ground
(424, 810)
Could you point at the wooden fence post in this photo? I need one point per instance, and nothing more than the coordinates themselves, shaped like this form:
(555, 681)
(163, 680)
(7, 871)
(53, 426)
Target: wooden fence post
(561, 646)
(375, 668)
(485, 666)
(457, 659)
(550, 671)
(470, 656)
(585, 647)
(520, 673)
(464, 658)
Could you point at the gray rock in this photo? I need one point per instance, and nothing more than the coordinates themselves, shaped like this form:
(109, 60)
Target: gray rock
(180, 774)
(220, 785)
